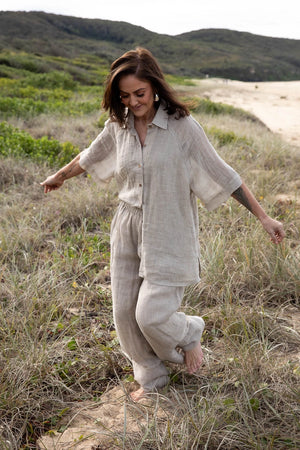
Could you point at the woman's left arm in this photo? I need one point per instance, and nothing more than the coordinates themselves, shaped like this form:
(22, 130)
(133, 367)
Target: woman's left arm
(275, 229)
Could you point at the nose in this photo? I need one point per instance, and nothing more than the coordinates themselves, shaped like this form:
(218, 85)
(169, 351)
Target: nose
(133, 100)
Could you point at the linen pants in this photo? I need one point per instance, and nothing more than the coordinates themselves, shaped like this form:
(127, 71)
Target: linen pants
(149, 328)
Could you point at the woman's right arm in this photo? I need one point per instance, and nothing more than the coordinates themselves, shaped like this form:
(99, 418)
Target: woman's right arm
(55, 181)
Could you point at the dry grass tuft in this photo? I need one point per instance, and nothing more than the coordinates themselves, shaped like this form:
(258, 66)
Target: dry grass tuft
(58, 344)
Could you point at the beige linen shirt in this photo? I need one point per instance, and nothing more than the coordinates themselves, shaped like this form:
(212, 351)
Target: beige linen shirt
(176, 164)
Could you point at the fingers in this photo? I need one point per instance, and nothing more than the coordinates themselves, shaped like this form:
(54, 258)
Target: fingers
(275, 239)
(277, 235)
(51, 184)
(48, 187)
(275, 229)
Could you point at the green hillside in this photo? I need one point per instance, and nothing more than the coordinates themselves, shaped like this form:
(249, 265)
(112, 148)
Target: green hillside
(223, 53)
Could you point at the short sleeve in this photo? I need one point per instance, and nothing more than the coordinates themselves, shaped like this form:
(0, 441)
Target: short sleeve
(99, 159)
(211, 179)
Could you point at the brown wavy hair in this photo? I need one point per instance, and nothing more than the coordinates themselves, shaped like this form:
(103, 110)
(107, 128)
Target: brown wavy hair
(141, 63)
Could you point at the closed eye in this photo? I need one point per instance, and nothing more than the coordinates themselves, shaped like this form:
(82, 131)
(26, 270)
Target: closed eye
(137, 93)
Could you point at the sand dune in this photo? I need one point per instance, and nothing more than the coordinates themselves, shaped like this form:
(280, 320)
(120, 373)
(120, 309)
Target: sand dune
(277, 104)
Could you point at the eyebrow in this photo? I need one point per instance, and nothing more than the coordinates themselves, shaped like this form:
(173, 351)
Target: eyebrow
(135, 92)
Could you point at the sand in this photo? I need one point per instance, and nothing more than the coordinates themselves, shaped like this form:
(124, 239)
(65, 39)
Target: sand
(101, 426)
(277, 104)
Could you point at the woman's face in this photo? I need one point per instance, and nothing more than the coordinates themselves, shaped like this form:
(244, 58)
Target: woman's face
(138, 96)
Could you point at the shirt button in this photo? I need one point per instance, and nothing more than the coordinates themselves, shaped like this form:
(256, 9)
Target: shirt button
(140, 185)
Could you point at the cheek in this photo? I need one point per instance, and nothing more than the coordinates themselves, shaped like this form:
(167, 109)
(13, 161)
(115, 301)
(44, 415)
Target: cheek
(150, 99)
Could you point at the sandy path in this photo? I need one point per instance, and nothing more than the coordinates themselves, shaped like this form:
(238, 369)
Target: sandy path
(277, 104)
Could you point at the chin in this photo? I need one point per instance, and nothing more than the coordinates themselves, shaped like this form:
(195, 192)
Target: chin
(138, 112)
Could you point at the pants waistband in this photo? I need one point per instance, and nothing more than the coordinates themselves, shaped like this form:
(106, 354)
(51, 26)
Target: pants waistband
(131, 209)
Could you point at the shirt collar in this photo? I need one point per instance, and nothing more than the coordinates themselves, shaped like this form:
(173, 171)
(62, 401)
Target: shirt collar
(160, 119)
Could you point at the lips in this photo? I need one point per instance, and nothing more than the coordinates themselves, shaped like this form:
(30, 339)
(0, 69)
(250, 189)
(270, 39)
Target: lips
(137, 109)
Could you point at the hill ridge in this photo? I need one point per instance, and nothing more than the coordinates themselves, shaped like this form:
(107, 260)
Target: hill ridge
(215, 52)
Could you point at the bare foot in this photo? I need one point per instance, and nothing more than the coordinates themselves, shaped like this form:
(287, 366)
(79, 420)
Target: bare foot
(138, 395)
(193, 358)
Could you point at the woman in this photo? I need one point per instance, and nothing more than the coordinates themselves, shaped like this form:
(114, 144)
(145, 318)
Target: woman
(162, 161)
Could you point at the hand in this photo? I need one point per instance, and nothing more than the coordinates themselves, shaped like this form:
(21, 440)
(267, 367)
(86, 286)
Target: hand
(274, 228)
(52, 183)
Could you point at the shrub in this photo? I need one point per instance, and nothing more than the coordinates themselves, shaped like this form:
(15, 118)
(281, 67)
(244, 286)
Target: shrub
(206, 106)
(30, 107)
(14, 142)
(24, 107)
(51, 80)
(228, 137)
(178, 80)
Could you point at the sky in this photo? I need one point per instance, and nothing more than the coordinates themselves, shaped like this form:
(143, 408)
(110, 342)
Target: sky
(275, 18)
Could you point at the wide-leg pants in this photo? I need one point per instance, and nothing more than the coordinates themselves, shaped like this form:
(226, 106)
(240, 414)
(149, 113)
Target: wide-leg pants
(148, 325)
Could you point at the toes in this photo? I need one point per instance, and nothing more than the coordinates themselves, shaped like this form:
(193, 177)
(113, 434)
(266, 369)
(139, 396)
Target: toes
(138, 395)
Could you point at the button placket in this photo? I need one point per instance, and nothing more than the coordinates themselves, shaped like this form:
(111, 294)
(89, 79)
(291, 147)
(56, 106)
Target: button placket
(142, 175)
(140, 171)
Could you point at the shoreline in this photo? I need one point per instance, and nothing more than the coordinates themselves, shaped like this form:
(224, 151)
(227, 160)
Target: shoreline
(276, 103)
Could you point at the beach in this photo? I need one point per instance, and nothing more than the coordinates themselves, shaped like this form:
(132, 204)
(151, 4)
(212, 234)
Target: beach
(277, 104)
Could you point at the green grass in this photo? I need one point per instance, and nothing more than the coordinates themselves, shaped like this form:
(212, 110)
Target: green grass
(58, 345)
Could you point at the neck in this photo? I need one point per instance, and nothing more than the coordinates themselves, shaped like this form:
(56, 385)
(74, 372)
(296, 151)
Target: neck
(144, 120)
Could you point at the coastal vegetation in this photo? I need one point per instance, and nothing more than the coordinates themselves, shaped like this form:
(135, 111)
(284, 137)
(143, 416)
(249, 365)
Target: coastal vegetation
(58, 345)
